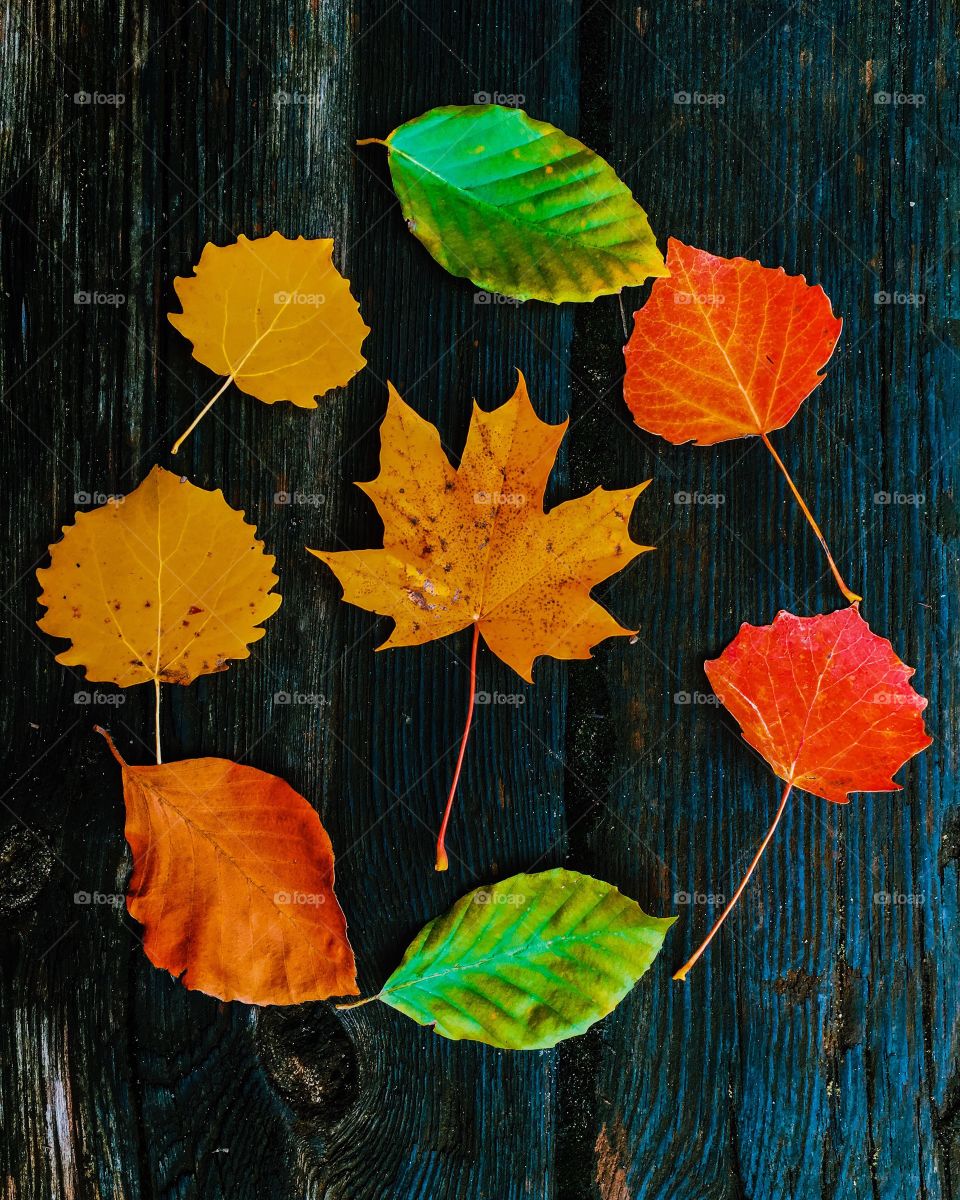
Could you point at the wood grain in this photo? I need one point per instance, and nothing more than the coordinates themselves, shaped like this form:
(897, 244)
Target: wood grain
(814, 1051)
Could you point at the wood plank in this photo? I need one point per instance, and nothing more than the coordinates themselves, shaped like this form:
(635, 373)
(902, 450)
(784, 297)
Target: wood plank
(813, 1052)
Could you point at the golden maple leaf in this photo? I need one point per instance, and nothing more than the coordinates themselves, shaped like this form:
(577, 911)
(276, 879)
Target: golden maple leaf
(275, 316)
(472, 545)
(163, 586)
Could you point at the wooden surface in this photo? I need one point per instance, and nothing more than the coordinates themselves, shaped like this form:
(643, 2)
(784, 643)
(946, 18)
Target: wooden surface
(814, 1051)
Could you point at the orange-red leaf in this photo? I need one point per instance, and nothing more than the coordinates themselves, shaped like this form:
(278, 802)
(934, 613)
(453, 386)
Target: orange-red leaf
(233, 883)
(825, 701)
(725, 348)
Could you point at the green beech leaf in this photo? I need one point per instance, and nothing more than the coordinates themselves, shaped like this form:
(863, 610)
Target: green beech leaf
(527, 962)
(519, 207)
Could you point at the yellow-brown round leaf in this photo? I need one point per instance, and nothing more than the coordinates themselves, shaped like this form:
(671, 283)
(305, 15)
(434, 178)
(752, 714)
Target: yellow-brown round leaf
(168, 583)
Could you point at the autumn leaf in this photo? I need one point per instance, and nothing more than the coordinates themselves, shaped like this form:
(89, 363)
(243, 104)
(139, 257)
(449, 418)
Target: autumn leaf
(726, 348)
(826, 702)
(161, 586)
(233, 883)
(471, 546)
(526, 962)
(517, 206)
(275, 316)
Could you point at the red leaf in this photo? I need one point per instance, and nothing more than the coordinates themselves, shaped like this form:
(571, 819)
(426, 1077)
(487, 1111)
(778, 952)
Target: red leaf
(829, 706)
(825, 701)
(725, 348)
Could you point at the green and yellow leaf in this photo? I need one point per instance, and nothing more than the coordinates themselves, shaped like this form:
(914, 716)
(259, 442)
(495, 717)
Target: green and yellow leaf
(519, 207)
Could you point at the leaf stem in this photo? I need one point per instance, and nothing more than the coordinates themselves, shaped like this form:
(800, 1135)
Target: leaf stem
(109, 740)
(850, 595)
(201, 414)
(442, 863)
(682, 973)
(371, 142)
(357, 1003)
(156, 717)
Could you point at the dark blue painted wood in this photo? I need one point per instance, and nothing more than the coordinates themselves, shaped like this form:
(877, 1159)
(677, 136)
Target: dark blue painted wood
(812, 1053)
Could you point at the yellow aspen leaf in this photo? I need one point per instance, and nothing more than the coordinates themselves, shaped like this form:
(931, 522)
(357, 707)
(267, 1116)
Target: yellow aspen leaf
(471, 546)
(166, 584)
(275, 316)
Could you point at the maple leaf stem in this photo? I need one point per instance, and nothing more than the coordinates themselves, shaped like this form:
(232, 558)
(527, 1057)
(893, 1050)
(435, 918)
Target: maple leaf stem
(201, 414)
(156, 717)
(441, 863)
(682, 973)
(850, 595)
